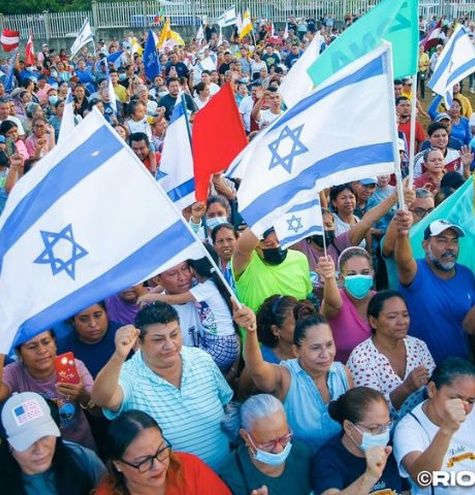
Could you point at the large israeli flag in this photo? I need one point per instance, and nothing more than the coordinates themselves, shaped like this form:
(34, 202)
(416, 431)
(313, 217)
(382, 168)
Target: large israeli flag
(345, 130)
(86, 222)
(175, 174)
(456, 61)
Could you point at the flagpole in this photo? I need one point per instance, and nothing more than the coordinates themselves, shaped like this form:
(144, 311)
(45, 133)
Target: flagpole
(412, 132)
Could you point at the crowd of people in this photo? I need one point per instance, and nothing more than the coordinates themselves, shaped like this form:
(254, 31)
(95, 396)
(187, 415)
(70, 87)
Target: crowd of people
(346, 368)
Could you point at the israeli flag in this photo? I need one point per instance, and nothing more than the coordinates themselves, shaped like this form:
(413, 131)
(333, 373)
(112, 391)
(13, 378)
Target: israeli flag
(456, 61)
(83, 224)
(228, 17)
(175, 174)
(345, 130)
(300, 221)
(84, 37)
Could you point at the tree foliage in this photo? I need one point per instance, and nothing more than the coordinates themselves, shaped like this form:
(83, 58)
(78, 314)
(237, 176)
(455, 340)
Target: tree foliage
(9, 7)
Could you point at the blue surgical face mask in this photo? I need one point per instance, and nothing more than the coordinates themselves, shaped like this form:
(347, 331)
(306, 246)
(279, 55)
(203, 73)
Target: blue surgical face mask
(369, 440)
(54, 74)
(122, 76)
(215, 221)
(272, 459)
(53, 100)
(358, 286)
(161, 94)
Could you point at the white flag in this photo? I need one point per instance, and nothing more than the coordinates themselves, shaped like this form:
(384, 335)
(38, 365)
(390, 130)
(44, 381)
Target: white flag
(68, 119)
(84, 37)
(297, 84)
(176, 174)
(311, 147)
(456, 61)
(86, 222)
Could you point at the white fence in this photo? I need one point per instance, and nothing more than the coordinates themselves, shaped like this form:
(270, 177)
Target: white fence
(141, 14)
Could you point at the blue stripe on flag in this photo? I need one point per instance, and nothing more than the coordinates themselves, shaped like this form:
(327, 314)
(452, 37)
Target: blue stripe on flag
(81, 162)
(458, 73)
(292, 239)
(142, 262)
(177, 112)
(304, 206)
(374, 68)
(182, 190)
(447, 58)
(338, 162)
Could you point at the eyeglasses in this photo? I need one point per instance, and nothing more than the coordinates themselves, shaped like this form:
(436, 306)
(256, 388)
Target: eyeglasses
(376, 429)
(161, 455)
(272, 444)
(422, 212)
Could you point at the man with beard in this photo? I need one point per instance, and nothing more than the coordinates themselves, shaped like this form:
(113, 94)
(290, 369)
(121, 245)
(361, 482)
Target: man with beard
(439, 293)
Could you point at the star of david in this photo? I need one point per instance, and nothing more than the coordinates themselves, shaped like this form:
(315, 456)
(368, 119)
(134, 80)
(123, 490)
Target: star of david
(298, 148)
(160, 175)
(295, 223)
(64, 242)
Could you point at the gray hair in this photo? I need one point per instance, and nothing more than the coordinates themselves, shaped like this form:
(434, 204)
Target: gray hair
(246, 414)
(423, 193)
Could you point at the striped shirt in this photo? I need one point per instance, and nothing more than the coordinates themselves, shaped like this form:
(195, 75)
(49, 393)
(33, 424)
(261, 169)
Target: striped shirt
(190, 416)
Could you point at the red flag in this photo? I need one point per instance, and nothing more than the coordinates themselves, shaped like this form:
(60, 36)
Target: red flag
(432, 37)
(218, 137)
(10, 40)
(29, 52)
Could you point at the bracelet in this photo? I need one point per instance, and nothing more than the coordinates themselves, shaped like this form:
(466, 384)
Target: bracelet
(90, 405)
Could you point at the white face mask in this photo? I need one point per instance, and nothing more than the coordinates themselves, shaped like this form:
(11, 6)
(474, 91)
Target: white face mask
(272, 459)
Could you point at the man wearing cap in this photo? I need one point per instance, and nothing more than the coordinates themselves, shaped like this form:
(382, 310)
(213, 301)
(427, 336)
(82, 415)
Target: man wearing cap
(261, 268)
(439, 293)
(454, 143)
(43, 56)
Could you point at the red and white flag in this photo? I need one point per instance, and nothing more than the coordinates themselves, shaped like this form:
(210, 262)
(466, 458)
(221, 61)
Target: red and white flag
(432, 37)
(30, 52)
(10, 40)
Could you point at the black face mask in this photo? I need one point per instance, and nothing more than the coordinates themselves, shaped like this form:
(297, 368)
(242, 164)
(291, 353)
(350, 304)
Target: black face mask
(274, 256)
(329, 237)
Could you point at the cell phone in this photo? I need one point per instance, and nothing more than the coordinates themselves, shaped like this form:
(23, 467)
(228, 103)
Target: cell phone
(11, 147)
(66, 370)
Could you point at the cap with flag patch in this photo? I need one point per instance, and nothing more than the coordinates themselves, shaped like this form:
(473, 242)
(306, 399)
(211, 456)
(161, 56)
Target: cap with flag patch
(26, 418)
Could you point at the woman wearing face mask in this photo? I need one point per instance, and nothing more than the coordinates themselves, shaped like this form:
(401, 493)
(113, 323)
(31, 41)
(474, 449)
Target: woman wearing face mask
(391, 361)
(358, 462)
(346, 308)
(204, 218)
(305, 384)
(439, 434)
(268, 457)
(142, 461)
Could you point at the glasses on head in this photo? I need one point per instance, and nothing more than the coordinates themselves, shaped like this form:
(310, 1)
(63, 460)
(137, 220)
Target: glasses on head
(161, 455)
(421, 212)
(375, 429)
(272, 444)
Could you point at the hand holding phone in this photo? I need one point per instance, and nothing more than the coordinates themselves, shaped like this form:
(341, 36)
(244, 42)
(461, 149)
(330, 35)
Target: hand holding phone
(10, 147)
(66, 370)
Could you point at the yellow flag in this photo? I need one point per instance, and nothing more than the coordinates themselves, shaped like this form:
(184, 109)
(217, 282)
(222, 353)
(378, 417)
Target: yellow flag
(165, 34)
(246, 24)
(175, 36)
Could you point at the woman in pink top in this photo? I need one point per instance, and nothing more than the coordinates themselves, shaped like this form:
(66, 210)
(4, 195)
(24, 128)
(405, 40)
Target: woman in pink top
(346, 308)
